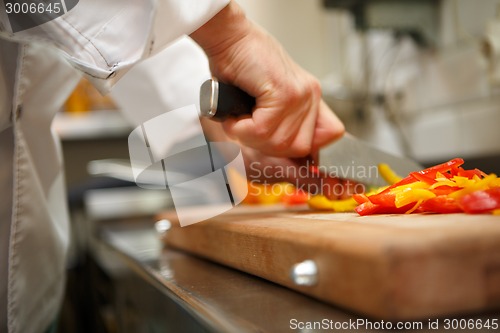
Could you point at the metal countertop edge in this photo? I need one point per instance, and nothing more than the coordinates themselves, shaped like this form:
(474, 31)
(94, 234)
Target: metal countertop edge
(202, 311)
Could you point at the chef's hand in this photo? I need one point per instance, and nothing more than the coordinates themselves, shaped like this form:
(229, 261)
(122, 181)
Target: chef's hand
(290, 119)
(299, 172)
(262, 168)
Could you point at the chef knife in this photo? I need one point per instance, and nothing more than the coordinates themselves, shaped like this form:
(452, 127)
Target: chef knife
(347, 158)
(220, 101)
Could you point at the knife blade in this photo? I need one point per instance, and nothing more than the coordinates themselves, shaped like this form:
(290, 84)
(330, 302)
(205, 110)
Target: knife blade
(347, 158)
(354, 159)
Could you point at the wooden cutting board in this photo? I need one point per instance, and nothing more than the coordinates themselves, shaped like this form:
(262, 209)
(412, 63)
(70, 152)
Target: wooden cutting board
(392, 267)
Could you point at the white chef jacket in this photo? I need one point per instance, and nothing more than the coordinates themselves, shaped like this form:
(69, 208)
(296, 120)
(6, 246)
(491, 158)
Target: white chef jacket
(103, 39)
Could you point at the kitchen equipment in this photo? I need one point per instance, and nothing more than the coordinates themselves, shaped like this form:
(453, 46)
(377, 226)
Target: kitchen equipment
(219, 101)
(391, 267)
(347, 158)
(352, 158)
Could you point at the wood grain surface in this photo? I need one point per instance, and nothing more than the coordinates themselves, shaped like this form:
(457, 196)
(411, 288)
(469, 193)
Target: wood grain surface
(393, 267)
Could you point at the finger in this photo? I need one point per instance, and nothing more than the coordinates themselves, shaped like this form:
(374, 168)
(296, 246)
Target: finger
(258, 127)
(279, 135)
(301, 144)
(328, 127)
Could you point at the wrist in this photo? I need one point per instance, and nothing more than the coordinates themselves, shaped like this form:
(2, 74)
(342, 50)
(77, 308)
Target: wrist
(226, 28)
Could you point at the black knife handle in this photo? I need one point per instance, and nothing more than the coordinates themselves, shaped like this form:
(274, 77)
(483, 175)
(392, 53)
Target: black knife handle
(220, 101)
(233, 102)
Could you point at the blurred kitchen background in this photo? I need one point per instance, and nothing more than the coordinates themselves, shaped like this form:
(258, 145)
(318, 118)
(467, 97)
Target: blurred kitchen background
(419, 78)
(415, 77)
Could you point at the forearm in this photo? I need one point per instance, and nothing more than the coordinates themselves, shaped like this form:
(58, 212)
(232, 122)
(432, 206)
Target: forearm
(226, 28)
(289, 118)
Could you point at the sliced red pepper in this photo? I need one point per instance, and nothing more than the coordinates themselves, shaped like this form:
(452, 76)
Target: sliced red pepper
(470, 173)
(298, 197)
(385, 198)
(314, 170)
(369, 208)
(442, 168)
(423, 178)
(441, 204)
(481, 201)
(445, 190)
(360, 198)
(455, 171)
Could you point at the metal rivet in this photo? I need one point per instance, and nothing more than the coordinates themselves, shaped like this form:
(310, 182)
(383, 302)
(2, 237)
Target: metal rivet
(162, 226)
(304, 273)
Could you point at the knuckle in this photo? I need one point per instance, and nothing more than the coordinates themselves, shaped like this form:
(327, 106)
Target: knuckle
(280, 148)
(263, 132)
(301, 149)
(284, 145)
(294, 94)
(281, 144)
(315, 87)
(309, 89)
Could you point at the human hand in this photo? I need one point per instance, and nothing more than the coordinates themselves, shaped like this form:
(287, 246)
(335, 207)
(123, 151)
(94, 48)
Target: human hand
(300, 172)
(290, 119)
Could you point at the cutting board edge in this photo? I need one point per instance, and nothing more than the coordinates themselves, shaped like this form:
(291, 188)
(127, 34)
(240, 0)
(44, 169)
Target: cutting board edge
(378, 309)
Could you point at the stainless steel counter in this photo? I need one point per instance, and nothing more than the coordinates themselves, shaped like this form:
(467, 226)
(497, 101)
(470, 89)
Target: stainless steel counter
(220, 299)
(158, 289)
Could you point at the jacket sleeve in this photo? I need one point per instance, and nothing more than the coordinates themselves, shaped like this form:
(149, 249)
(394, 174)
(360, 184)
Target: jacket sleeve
(104, 39)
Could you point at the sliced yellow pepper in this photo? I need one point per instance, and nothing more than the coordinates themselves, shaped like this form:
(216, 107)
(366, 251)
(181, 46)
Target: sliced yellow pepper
(476, 184)
(388, 174)
(414, 208)
(446, 182)
(411, 186)
(440, 176)
(411, 195)
(321, 202)
(462, 181)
